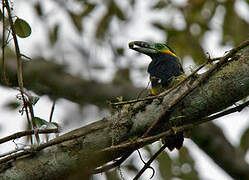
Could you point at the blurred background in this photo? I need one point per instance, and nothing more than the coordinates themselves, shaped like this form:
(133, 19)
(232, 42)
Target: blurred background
(81, 59)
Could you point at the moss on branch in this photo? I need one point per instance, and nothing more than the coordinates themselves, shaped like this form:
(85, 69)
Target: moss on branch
(224, 88)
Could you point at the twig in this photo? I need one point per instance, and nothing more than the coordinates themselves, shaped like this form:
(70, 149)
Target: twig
(140, 156)
(18, 54)
(169, 90)
(45, 145)
(11, 152)
(31, 110)
(40, 147)
(135, 100)
(196, 83)
(226, 112)
(136, 144)
(23, 55)
(153, 170)
(26, 133)
(165, 92)
(52, 112)
(147, 165)
(14, 156)
(107, 167)
(153, 138)
(3, 46)
(19, 66)
(27, 116)
(112, 165)
(229, 111)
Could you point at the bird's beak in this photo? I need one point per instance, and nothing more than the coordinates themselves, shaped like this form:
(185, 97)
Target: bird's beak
(142, 47)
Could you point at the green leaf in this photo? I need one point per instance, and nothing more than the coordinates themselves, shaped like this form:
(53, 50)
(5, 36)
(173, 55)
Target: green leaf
(39, 9)
(53, 36)
(89, 8)
(35, 100)
(103, 25)
(114, 9)
(77, 20)
(244, 140)
(40, 122)
(12, 105)
(22, 28)
(120, 51)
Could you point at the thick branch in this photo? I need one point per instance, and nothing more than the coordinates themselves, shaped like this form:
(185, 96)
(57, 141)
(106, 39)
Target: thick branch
(211, 139)
(48, 78)
(84, 154)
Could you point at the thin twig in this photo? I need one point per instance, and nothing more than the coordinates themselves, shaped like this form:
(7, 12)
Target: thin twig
(23, 55)
(45, 145)
(199, 80)
(153, 170)
(205, 119)
(11, 152)
(145, 140)
(18, 54)
(112, 165)
(163, 93)
(27, 116)
(51, 117)
(140, 156)
(135, 100)
(40, 147)
(52, 112)
(19, 64)
(31, 110)
(26, 133)
(147, 165)
(209, 60)
(4, 78)
(196, 83)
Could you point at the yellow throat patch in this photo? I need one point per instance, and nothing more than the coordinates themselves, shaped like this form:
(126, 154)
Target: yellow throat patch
(168, 52)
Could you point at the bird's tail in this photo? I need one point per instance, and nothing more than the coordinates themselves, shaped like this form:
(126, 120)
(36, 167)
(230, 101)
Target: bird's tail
(174, 141)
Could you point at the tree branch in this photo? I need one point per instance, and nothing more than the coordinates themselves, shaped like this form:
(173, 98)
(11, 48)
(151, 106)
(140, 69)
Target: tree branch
(85, 153)
(210, 138)
(48, 78)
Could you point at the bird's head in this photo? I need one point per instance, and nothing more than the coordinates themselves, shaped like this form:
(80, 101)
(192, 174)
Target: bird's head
(151, 49)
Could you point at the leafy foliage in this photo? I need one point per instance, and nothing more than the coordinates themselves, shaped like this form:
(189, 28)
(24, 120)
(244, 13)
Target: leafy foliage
(42, 122)
(22, 28)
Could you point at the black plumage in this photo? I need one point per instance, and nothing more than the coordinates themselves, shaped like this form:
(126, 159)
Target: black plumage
(164, 67)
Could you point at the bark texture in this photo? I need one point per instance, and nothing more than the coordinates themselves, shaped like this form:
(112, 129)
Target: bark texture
(225, 87)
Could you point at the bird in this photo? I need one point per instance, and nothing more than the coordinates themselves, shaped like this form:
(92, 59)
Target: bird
(164, 69)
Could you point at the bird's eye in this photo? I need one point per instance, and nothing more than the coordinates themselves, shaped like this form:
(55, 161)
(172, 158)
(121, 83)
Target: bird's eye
(159, 46)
